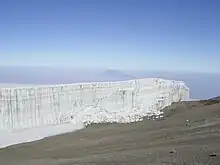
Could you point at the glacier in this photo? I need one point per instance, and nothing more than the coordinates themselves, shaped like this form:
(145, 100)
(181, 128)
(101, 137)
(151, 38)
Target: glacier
(31, 113)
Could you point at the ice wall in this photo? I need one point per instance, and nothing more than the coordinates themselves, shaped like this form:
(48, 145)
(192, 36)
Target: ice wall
(125, 101)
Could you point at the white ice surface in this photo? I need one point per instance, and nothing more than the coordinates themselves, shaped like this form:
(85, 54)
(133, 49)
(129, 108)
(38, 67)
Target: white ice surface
(32, 113)
(8, 138)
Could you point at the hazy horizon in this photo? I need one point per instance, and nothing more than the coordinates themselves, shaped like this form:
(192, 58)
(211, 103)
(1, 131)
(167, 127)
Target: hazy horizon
(202, 85)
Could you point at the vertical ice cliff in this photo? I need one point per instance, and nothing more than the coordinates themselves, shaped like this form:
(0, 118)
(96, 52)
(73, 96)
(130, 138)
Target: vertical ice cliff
(125, 101)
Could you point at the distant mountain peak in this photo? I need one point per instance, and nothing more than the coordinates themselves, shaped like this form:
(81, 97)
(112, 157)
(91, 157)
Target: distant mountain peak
(114, 75)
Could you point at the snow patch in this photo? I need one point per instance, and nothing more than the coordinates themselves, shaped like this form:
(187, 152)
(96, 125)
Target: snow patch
(8, 138)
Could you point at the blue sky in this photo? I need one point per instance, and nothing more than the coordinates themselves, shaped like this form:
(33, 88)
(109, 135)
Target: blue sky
(120, 34)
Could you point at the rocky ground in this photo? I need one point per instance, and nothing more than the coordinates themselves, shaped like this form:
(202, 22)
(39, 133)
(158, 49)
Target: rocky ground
(189, 134)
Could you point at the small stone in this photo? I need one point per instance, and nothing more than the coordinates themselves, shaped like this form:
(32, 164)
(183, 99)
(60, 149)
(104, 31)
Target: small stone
(213, 154)
(173, 151)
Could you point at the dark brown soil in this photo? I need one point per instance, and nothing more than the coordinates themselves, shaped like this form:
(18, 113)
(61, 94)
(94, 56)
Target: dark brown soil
(189, 134)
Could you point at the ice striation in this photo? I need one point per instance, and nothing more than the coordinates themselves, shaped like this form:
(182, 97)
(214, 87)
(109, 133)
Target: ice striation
(121, 102)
